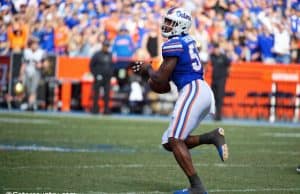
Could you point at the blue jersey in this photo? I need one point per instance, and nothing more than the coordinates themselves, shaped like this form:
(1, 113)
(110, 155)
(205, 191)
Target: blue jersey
(188, 67)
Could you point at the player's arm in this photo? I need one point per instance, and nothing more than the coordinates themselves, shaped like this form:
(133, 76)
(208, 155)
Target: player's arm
(171, 51)
(163, 74)
(159, 80)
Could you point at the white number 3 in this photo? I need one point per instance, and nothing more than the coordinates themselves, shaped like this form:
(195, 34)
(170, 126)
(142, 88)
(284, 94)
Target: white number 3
(195, 59)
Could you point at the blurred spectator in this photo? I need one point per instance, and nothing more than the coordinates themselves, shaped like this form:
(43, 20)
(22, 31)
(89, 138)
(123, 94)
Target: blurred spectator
(91, 41)
(294, 22)
(86, 42)
(123, 47)
(19, 5)
(101, 68)
(151, 41)
(75, 43)
(36, 30)
(252, 44)
(220, 63)
(242, 52)
(230, 50)
(6, 14)
(71, 19)
(90, 9)
(265, 43)
(41, 10)
(17, 35)
(61, 37)
(123, 50)
(111, 24)
(295, 49)
(4, 46)
(95, 42)
(47, 37)
(282, 41)
(30, 72)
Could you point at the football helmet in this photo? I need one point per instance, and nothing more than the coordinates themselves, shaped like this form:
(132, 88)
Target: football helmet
(176, 21)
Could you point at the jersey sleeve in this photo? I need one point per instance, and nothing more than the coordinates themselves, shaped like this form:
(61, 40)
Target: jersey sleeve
(172, 48)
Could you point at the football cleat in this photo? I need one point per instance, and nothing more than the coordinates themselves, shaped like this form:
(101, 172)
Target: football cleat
(219, 142)
(189, 191)
(298, 169)
(183, 191)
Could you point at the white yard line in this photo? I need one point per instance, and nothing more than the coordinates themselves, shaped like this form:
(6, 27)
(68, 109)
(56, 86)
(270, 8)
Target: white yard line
(130, 166)
(26, 120)
(282, 135)
(247, 190)
(41, 148)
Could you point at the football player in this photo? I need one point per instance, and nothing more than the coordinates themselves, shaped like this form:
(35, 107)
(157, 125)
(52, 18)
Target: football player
(181, 64)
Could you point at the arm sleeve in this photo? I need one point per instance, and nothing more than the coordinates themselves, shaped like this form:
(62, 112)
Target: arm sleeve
(172, 48)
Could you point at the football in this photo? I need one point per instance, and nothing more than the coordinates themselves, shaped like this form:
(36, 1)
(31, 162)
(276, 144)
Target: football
(19, 88)
(159, 88)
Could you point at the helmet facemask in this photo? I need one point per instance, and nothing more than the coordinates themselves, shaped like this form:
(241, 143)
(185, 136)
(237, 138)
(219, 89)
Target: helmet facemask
(168, 26)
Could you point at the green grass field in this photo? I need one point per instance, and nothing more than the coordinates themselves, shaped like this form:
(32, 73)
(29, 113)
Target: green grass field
(110, 155)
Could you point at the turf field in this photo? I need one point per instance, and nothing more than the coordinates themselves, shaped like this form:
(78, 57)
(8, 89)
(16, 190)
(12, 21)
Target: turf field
(94, 154)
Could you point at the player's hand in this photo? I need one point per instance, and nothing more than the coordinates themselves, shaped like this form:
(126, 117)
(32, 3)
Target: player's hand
(137, 66)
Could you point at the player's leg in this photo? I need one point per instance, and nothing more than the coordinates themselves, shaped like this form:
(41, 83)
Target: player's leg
(200, 111)
(184, 159)
(184, 120)
(215, 137)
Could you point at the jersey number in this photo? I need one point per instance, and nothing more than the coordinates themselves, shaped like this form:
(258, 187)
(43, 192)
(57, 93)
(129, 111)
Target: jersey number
(196, 64)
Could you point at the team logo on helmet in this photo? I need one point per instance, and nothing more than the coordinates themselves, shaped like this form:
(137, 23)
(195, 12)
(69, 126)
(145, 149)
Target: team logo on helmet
(183, 15)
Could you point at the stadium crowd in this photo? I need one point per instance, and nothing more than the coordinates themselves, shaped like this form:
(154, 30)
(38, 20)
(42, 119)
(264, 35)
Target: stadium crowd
(254, 30)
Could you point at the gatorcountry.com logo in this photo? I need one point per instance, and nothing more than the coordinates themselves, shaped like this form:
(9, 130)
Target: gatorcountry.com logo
(183, 15)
